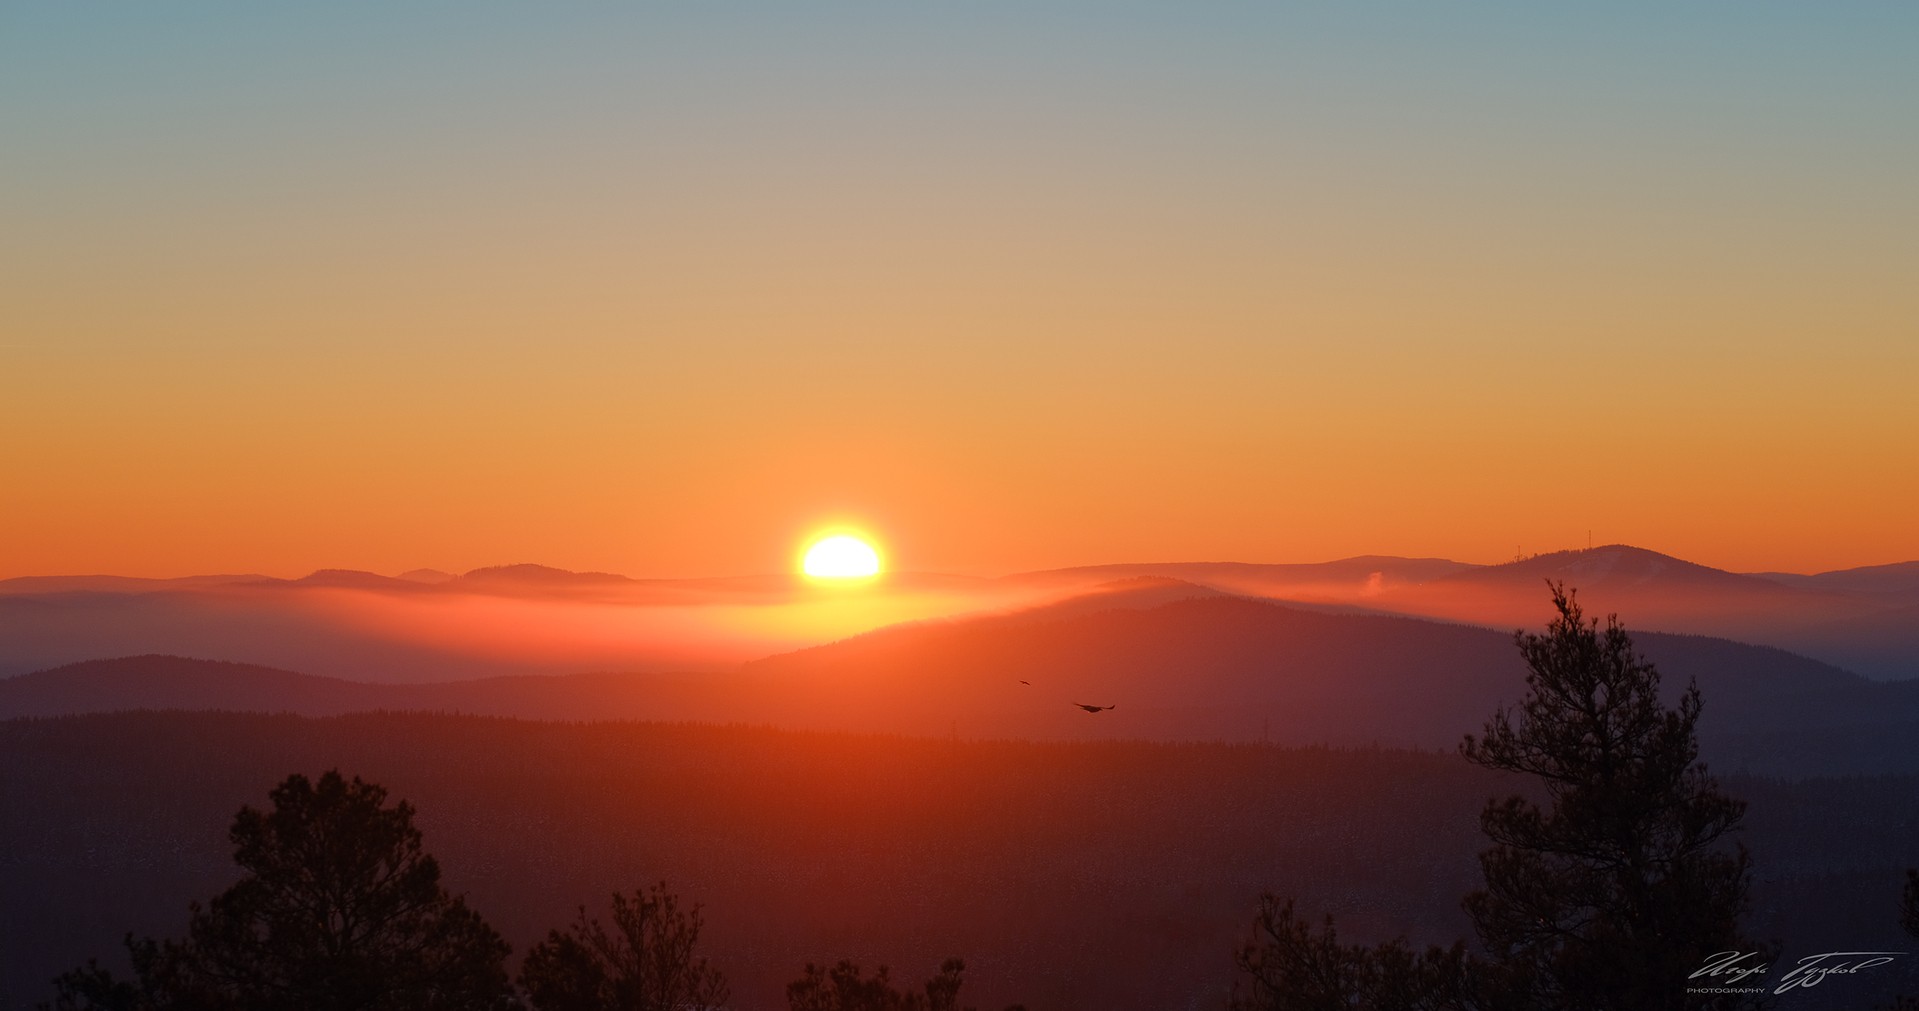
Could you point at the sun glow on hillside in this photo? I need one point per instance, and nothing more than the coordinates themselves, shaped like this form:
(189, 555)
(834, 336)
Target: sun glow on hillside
(841, 556)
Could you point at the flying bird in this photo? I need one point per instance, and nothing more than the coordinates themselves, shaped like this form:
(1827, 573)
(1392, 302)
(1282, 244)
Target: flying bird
(1024, 681)
(1092, 709)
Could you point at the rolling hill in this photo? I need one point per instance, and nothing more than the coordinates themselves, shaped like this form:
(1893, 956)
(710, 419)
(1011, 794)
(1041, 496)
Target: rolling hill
(1179, 663)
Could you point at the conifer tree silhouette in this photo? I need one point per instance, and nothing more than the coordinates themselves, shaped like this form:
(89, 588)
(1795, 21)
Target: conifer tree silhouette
(1605, 898)
(340, 909)
(645, 963)
(1617, 889)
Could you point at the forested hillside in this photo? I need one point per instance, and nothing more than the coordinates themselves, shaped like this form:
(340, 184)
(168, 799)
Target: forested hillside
(1069, 875)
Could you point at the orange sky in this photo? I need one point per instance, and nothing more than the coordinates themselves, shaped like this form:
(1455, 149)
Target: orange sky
(281, 296)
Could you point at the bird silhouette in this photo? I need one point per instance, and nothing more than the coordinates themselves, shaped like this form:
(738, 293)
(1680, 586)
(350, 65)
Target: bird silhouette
(1093, 709)
(1024, 681)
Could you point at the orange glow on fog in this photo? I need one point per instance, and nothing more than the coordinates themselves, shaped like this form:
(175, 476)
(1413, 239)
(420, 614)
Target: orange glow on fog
(635, 629)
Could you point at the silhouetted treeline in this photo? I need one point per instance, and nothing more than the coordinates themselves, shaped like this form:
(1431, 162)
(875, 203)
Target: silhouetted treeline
(1069, 875)
(340, 908)
(846, 987)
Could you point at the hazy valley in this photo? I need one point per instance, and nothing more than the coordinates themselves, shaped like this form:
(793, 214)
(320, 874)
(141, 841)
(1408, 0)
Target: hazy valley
(929, 787)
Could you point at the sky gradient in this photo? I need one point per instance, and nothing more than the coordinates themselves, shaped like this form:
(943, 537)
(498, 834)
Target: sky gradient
(661, 292)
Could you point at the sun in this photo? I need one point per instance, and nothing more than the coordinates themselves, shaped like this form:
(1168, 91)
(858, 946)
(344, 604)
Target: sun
(841, 556)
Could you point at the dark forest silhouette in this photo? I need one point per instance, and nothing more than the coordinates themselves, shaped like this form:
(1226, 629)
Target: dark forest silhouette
(1089, 874)
(341, 909)
(845, 987)
(1099, 874)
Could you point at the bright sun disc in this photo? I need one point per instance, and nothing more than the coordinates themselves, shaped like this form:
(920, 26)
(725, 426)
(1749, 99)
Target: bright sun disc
(841, 557)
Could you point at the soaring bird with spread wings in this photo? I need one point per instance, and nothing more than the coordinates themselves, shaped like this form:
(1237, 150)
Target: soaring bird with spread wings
(1092, 709)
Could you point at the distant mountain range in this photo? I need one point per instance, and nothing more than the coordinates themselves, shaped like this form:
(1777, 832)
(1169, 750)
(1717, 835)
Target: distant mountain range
(1176, 660)
(531, 619)
(1860, 619)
